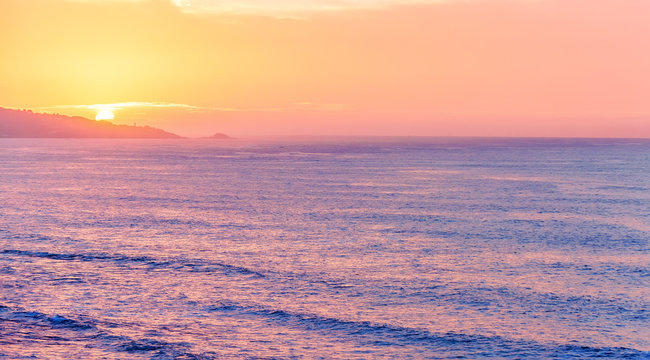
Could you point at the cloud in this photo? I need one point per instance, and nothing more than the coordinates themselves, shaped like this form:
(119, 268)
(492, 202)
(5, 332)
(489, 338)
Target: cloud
(165, 105)
(270, 8)
(287, 8)
(105, 1)
(122, 105)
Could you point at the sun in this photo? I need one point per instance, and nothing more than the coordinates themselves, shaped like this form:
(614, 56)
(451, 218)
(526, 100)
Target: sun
(104, 114)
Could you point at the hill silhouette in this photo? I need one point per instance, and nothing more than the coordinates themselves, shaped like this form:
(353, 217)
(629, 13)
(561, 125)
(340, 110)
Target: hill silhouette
(27, 124)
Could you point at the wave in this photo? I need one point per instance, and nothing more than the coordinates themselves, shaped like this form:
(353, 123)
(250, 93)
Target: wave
(177, 264)
(18, 326)
(389, 335)
(372, 334)
(38, 318)
(588, 306)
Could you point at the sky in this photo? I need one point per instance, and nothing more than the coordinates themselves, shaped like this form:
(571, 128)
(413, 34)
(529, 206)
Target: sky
(560, 68)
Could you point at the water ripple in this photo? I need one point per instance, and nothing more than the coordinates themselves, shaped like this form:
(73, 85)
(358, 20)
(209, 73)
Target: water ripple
(191, 265)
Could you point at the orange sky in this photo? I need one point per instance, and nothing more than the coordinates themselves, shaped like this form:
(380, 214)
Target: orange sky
(347, 67)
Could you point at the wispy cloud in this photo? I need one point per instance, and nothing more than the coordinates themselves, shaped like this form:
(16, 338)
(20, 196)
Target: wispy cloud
(281, 9)
(287, 8)
(107, 1)
(192, 108)
(135, 104)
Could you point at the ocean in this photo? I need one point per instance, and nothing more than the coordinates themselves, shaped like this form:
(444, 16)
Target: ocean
(331, 248)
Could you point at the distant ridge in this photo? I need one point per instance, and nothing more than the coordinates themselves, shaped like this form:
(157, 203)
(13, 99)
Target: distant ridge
(27, 124)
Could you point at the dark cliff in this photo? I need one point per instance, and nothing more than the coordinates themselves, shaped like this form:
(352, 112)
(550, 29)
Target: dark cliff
(27, 124)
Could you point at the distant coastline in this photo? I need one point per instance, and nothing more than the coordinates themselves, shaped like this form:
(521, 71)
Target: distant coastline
(28, 124)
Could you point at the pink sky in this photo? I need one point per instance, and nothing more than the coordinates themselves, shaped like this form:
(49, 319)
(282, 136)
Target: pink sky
(358, 67)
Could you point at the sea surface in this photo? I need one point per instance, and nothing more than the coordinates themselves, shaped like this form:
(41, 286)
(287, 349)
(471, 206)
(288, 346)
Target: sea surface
(338, 248)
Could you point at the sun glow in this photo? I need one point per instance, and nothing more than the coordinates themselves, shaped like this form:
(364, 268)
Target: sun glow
(104, 114)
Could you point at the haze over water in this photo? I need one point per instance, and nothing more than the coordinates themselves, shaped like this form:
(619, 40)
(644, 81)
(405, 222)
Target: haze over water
(335, 248)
